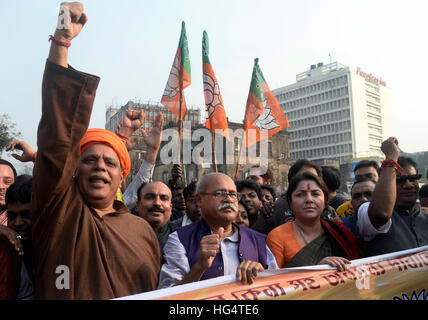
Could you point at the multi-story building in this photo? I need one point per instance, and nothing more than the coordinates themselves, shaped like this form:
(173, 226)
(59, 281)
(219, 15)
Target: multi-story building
(114, 117)
(337, 114)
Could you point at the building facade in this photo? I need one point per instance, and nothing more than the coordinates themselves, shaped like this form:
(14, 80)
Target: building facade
(114, 117)
(337, 114)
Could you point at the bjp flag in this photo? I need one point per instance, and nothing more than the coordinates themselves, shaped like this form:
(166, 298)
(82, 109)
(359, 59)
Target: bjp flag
(214, 109)
(179, 78)
(263, 112)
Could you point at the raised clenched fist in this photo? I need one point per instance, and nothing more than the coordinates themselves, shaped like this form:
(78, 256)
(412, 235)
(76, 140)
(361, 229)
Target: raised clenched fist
(209, 248)
(71, 20)
(390, 148)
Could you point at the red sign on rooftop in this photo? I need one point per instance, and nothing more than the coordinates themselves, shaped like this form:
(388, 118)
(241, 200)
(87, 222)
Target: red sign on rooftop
(370, 77)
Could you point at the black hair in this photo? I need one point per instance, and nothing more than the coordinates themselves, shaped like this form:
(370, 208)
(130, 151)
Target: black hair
(423, 191)
(20, 190)
(307, 176)
(249, 184)
(268, 175)
(7, 163)
(244, 204)
(407, 162)
(363, 179)
(367, 163)
(188, 191)
(270, 189)
(299, 164)
(331, 177)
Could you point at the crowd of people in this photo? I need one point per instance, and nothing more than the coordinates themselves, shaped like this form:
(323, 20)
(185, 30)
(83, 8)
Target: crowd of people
(73, 230)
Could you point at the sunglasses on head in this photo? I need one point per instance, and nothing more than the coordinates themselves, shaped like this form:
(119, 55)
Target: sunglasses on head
(411, 178)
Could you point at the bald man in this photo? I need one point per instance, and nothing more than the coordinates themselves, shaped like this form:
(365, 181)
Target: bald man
(154, 204)
(214, 246)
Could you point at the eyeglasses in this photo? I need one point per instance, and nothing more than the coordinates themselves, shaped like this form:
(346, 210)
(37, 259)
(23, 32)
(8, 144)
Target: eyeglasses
(221, 195)
(411, 178)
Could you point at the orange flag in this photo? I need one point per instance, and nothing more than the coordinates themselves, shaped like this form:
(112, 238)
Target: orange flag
(263, 112)
(214, 108)
(179, 78)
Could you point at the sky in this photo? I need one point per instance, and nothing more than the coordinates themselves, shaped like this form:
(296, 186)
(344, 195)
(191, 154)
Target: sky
(131, 46)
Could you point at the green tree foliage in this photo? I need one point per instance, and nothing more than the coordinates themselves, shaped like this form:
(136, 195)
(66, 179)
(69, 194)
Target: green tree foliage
(7, 132)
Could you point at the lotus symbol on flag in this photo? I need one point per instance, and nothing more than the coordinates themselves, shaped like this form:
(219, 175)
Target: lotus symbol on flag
(414, 296)
(173, 87)
(212, 94)
(266, 121)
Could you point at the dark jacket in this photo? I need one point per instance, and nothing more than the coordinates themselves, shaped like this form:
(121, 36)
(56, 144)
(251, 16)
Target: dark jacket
(407, 231)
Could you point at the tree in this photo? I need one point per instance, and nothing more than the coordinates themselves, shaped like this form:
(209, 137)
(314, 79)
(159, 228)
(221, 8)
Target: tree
(7, 132)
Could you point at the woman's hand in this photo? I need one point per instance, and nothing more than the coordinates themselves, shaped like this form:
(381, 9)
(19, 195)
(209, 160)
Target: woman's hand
(338, 262)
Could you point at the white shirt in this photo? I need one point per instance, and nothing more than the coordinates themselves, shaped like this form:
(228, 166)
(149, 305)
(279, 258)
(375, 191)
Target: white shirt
(143, 175)
(186, 221)
(176, 265)
(365, 226)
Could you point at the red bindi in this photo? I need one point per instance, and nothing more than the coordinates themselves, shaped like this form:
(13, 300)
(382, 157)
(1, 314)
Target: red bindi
(308, 187)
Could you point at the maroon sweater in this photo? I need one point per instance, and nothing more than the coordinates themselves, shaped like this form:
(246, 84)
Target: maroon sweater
(10, 270)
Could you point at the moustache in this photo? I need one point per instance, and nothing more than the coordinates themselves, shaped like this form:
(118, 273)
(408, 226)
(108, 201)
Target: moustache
(157, 209)
(227, 205)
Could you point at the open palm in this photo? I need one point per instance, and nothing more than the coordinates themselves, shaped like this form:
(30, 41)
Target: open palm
(153, 139)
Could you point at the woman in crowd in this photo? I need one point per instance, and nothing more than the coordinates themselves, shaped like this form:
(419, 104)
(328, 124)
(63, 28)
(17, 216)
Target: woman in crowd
(242, 217)
(307, 239)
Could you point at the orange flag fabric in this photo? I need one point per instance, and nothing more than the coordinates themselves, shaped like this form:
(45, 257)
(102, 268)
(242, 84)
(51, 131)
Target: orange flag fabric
(179, 78)
(214, 109)
(263, 112)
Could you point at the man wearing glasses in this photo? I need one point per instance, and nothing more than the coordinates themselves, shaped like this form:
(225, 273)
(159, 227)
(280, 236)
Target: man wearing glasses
(364, 170)
(214, 246)
(392, 221)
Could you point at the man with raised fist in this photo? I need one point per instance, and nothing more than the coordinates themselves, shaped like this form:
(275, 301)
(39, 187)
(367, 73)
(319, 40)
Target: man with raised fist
(214, 246)
(392, 220)
(87, 244)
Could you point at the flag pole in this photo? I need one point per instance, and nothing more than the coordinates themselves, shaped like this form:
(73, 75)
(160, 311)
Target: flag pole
(180, 125)
(238, 164)
(213, 146)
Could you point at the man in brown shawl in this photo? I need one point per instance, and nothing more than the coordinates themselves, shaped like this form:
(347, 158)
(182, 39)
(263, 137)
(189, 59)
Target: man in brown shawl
(87, 245)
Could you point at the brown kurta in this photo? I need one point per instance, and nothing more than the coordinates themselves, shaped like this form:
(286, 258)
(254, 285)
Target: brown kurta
(110, 256)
